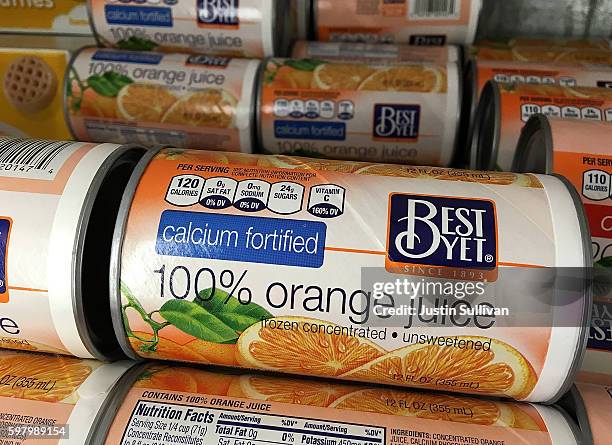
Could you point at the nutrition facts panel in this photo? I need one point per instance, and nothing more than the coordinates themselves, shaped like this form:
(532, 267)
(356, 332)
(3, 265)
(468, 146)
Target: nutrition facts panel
(154, 423)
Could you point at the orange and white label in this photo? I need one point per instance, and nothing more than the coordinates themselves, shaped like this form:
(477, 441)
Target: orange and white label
(33, 175)
(518, 102)
(417, 22)
(244, 28)
(169, 404)
(541, 73)
(284, 264)
(582, 153)
(538, 54)
(366, 112)
(189, 101)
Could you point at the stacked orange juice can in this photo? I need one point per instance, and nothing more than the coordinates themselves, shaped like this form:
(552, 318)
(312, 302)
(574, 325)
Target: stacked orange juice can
(265, 233)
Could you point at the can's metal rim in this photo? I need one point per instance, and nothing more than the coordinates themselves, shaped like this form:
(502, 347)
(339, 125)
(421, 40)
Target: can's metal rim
(537, 124)
(577, 406)
(66, 87)
(117, 248)
(485, 131)
(254, 111)
(117, 158)
(92, 24)
(109, 409)
(259, 81)
(314, 19)
(460, 92)
(585, 321)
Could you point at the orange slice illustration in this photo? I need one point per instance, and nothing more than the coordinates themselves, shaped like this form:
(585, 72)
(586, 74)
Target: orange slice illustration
(408, 78)
(208, 108)
(341, 76)
(144, 102)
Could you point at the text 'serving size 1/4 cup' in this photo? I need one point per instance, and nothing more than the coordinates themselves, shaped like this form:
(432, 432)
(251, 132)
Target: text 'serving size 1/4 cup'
(238, 28)
(210, 407)
(377, 53)
(48, 399)
(337, 269)
(59, 203)
(504, 109)
(416, 22)
(582, 152)
(365, 112)
(191, 101)
(592, 404)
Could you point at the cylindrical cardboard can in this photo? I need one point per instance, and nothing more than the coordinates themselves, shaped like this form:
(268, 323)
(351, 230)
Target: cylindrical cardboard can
(306, 267)
(582, 152)
(355, 111)
(55, 399)
(537, 54)
(380, 53)
(591, 404)
(543, 42)
(191, 101)
(416, 22)
(59, 204)
(504, 108)
(176, 404)
(245, 28)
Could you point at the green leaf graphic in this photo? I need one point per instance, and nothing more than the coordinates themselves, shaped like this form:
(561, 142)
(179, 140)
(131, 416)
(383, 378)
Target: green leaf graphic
(197, 321)
(136, 44)
(232, 312)
(304, 64)
(109, 84)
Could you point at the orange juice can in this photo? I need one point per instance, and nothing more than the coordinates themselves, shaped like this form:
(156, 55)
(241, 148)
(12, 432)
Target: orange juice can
(404, 113)
(172, 404)
(591, 404)
(591, 43)
(417, 22)
(53, 400)
(505, 108)
(375, 52)
(59, 203)
(368, 272)
(536, 54)
(191, 101)
(582, 152)
(238, 28)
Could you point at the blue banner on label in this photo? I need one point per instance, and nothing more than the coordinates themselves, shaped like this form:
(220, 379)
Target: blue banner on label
(128, 57)
(324, 131)
(138, 15)
(601, 326)
(5, 227)
(285, 242)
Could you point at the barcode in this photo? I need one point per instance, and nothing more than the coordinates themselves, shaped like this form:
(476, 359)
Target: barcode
(33, 158)
(435, 9)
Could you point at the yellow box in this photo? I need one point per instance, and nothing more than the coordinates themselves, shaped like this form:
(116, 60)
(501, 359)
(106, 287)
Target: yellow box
(44, 16)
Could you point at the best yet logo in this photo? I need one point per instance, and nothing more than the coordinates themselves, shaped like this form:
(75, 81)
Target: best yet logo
(218, 13)
(396, 122)
(442, 237)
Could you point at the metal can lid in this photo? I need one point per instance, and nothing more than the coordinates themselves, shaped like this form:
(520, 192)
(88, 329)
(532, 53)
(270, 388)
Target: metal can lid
(483, 143)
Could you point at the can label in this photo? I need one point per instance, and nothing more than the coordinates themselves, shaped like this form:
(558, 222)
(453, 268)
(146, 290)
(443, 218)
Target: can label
(39, 394)
(521, 101)
(541, 73)
(202, 407)
(417, 22)
(239, 28)
(31, 103)
(547, 43)
(581, 154)
(46, 16)
(404, 114)
(374, 53)
(562, 56)
(190, 101)
(231, 258)
(33, 175)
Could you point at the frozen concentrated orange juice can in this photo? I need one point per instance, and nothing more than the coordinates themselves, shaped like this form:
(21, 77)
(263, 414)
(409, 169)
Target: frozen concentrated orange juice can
(375, 52)
(505, 108)
(416, 22)
(239, 28)
(547, 42)
(582, 152)
(191, 101)
(291, 264)
(59, 201)
(377, 112)
(54, 400)
(172, 404)
(536, 54)
(592, 404)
